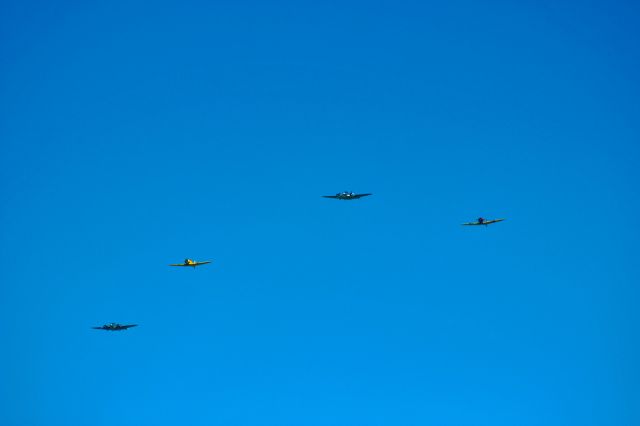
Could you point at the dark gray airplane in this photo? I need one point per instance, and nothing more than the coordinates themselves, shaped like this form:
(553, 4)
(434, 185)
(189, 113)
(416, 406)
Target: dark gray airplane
(346, 196)
(114, 326)
(482, 221)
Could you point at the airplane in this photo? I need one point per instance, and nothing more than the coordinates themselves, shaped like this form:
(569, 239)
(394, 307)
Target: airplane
(114, 326)
(189, 262)
(346, 196)
(483, 221)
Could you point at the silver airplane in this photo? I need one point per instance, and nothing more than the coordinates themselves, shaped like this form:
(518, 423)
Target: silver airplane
(346, 196)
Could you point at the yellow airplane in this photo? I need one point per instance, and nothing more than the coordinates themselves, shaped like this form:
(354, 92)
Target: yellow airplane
(189, 262)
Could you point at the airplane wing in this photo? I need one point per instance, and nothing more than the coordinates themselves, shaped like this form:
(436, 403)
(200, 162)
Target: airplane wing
(359, 195)
(124, 327)
(330, 196)
(493, 221)
(98, 328)
(178, 264)
(201, 263)
(472, 224)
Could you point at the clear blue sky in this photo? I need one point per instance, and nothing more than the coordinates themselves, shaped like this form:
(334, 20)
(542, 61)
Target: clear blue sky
(136, 134)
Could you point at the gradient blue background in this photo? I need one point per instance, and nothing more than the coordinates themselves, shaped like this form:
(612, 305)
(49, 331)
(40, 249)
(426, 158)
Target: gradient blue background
(135, 134)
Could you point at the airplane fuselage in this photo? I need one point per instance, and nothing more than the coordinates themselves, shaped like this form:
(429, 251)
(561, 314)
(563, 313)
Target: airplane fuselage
(345, 197)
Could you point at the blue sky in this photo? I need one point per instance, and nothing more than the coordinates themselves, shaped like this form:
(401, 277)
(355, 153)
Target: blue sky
(133, 135)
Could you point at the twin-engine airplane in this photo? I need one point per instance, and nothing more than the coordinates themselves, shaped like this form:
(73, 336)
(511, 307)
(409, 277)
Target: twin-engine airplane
(189, 262)
(483, 221)
(346, 196)
(114, 326)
